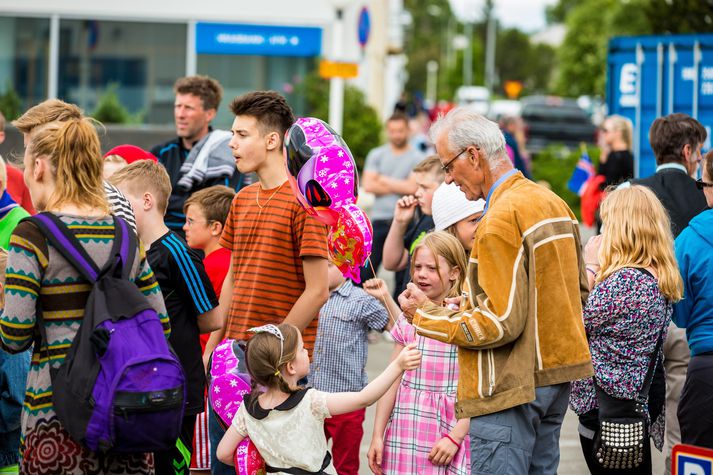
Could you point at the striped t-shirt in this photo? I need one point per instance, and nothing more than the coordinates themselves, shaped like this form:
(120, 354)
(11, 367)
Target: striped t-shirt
(268, 245)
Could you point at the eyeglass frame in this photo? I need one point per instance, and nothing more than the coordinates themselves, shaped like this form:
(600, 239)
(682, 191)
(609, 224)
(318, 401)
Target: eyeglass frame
(700, 184)
(190, 222)
(446, 168)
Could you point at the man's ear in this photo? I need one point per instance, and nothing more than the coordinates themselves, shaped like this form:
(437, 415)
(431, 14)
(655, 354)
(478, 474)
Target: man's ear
(272, 141)
(2, 136)
(475, 158)
(686, 152)
(210, 113)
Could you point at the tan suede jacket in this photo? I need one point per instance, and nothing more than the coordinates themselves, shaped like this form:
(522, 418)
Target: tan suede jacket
(520, 322)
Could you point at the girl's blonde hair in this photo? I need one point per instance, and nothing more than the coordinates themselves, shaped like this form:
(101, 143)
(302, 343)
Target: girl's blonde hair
(263, 357)
(637, 233)
(74, 153)
(447, 246)
(623, 125)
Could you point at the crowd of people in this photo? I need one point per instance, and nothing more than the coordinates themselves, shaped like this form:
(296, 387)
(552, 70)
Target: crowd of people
(501, 318)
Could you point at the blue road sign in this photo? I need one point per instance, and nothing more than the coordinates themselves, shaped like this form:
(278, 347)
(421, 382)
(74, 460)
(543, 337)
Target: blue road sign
(364, 26)
(259, 40)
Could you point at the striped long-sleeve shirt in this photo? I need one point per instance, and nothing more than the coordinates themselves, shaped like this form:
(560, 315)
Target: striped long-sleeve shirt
(37, 271)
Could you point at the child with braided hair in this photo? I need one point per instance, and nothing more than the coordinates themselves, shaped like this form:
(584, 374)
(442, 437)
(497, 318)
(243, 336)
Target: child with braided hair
(286, 421)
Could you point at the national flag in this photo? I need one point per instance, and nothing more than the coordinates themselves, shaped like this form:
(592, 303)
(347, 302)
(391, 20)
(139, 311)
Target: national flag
(582, 172)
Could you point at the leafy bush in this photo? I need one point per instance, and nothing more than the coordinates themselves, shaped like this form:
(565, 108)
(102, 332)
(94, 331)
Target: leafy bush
(110, 110)
(362, 127)
(10, 103)
(555, 165)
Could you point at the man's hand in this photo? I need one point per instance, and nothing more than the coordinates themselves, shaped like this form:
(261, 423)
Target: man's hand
(405, 209)
(410, 299)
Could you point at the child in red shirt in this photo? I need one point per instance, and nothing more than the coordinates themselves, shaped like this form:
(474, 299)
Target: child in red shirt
(206, 212)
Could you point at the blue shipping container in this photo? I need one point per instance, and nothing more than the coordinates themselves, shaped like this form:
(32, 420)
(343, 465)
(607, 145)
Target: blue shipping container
(652, 76)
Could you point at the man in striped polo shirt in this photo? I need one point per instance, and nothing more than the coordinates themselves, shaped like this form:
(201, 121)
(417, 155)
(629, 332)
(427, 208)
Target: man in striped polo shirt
(278, 271)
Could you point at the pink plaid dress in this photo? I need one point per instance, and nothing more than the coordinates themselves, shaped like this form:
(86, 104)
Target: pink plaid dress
(424, 410)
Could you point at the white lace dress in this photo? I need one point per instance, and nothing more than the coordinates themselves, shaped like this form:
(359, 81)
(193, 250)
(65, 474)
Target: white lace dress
(291, 434)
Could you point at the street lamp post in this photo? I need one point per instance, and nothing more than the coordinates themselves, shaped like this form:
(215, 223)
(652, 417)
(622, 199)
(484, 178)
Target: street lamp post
(431, 81)
(336, 85)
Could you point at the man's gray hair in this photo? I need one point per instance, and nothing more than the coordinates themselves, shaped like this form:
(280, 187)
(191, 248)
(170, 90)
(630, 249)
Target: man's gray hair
(466, 128)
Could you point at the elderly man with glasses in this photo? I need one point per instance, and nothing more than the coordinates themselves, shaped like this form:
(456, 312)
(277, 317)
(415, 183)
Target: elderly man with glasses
(519, 327)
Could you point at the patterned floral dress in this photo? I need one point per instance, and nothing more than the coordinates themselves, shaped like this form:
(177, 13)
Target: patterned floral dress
(623, 318)
(424, 410)
(36, 270)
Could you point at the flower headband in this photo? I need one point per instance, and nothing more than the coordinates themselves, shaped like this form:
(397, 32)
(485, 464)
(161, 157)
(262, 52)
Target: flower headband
(272, 330)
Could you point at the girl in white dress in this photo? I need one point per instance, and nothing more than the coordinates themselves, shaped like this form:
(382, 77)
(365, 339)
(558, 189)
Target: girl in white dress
(286, 422)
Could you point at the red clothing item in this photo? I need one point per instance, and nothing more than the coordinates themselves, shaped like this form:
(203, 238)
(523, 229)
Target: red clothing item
(216, 266)
(347, 430)
(18, 190)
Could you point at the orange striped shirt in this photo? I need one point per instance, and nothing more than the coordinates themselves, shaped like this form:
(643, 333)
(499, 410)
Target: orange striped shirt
(267, 246)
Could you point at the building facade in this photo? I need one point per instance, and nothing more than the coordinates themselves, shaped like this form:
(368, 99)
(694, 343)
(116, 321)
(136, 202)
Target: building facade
(78, 50)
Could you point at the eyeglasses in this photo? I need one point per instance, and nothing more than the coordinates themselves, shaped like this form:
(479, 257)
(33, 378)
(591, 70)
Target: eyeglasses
(190, 222)
(447, 167)
(700, 184)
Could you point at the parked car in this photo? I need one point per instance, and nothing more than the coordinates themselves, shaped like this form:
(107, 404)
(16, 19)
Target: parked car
(549, 120)
(475, 97)
(504, 108)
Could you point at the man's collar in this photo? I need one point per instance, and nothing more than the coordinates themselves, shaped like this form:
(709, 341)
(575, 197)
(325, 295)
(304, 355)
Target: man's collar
(672, 166)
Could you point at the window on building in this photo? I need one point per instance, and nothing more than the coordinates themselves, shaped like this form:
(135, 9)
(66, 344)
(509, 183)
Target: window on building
(139, 61)
(239, 74)
(24, 49)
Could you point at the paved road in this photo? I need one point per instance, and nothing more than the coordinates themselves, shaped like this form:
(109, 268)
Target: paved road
(571, 460)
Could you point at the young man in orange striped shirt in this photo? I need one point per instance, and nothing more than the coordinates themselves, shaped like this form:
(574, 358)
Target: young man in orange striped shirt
(278, 270)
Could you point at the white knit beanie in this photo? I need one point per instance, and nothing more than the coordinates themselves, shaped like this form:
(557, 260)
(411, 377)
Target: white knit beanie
(450, 206)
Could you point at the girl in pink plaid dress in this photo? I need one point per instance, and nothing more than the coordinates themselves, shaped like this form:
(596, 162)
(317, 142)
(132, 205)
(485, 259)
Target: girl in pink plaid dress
(415, 428)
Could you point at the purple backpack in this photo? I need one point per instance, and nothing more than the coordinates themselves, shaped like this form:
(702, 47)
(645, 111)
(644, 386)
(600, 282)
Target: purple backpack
(121, 388)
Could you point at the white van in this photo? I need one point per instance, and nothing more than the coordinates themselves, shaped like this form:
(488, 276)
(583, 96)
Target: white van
(477, 97)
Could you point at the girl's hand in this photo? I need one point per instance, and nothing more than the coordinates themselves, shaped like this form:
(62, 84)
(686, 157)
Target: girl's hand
(376, 288)
(376, 451)
(453, 302)
(443, 452)
(409, 358)
(591, 251)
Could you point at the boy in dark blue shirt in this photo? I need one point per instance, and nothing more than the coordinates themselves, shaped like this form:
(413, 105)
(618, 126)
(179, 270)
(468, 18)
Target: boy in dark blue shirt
(191, 302)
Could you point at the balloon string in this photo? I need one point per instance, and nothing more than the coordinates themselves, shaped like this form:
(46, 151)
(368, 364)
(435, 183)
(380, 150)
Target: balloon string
(386, 304)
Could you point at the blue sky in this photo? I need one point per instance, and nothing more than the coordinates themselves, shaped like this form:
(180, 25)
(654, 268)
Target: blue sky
(527, 15)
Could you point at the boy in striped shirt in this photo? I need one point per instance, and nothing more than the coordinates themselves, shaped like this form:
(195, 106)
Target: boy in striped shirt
(191, 302)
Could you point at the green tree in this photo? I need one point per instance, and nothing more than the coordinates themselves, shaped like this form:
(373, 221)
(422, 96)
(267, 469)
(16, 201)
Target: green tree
(582, 55)
(426, 40)
(681, 16)
(362, 127)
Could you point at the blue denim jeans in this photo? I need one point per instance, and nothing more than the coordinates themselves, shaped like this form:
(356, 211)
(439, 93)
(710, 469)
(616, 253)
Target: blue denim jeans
(13, 377)
(523, 439)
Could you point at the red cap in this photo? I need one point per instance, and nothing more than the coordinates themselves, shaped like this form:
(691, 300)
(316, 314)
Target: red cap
(131, 153)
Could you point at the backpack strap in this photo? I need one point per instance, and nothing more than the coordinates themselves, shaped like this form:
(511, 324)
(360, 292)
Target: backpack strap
(58, 234)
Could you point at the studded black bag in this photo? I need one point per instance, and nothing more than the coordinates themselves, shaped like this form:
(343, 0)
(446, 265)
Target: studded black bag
(623, 433)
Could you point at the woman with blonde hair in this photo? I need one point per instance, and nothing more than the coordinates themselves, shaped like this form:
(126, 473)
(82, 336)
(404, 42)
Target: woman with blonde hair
(616, 161)
(63, 171)
(634, 281)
